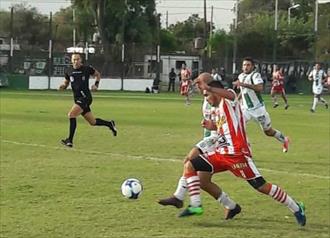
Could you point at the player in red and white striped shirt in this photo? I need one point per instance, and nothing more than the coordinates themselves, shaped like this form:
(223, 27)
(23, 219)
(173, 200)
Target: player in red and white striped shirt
(232, 153)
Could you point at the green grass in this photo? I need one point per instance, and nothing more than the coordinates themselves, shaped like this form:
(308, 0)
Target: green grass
(51, 191)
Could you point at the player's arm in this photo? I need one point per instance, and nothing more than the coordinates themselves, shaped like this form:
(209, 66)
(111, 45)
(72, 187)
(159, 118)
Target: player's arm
(310, 76)
(255, 87)
(65, 83)
(97, 77)
(220, 91)
(209, 124)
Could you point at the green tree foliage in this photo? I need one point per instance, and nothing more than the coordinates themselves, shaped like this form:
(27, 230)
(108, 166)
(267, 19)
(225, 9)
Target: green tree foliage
(168, 41)
(135, 19)
(185, 32)
(221, 43)
(323, 36)
(30, 27)
(63, 26)
(256, 34)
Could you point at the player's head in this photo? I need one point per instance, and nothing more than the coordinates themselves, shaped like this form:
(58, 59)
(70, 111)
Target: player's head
(183, 66)
(205, 77)
(317, 65)
(76, 60)
(213, 98)
(248, 65)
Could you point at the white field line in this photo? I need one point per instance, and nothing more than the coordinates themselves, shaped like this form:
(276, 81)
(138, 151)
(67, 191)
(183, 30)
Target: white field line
(133, 157)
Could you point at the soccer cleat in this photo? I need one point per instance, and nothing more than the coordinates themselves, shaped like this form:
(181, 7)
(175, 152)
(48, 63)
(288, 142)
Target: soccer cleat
(286, 107)
(230, 214)
(286, 144)
(67, 142)
(312, 110)
(171, 201)
(275, 105)
(326, 106)
(300, 215)
(113, 128)
(190, 211)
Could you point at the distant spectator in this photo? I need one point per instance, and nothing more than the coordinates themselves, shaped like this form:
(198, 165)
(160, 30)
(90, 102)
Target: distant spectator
(215, 75)
(171, 78)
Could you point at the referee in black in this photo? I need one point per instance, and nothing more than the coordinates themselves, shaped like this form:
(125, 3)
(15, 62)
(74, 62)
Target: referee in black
(78, 75)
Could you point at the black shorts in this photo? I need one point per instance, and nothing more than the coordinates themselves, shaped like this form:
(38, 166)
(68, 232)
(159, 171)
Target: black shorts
(84, 104)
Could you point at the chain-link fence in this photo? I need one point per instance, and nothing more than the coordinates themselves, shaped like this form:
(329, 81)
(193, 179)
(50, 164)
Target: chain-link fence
(140, 61)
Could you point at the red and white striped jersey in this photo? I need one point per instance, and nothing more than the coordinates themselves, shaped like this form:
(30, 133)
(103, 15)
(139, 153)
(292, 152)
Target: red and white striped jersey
(231, 129)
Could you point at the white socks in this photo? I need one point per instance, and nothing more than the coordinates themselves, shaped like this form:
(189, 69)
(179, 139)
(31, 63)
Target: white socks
(281, 196)
(279, 136)
(225, 200)
(181, 189)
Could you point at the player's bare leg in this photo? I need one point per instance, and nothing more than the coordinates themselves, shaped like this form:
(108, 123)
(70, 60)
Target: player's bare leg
(280, 137)
(177, 199)
(274, 98)
(231, 207)
(74, 112)
(100, 122)
(285, 100)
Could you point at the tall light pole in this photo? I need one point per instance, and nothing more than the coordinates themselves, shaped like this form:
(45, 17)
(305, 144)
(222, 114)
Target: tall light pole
(275, 31)
(316, 15)
(235, 36)
(315, 27)
(289, 12)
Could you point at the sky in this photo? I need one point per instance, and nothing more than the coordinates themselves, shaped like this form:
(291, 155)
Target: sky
(178, 10)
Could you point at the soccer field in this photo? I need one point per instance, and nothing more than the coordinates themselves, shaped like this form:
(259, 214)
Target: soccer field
(51, 191)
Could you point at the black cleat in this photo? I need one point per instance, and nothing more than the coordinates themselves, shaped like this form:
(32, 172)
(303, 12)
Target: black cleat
(326, 106)
(113, 128)
(171, 201)
(275, 105)
(67, 142)
(312, 110)
(230, 214)
(286, 107)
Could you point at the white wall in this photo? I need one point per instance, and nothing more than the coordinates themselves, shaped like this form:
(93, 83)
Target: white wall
(41, 82)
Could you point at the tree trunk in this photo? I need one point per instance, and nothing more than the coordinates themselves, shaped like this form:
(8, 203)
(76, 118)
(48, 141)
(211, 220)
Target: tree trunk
(100, 8)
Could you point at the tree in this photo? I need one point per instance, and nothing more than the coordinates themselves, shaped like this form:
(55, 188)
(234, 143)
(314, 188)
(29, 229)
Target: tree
(30, 27)
(64, 25)
(118, 22)
(185, 32)
(256, 35)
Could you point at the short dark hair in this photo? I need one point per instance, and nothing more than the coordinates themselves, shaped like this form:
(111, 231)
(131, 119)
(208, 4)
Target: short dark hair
(216, 84)
(248, 58)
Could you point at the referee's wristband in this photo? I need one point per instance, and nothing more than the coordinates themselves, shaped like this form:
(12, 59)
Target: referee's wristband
(97, 83)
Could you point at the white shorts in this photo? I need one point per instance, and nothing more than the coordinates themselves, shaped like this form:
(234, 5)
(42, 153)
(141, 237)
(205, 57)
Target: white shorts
(208, 144)
(260, 115)
(317, 89)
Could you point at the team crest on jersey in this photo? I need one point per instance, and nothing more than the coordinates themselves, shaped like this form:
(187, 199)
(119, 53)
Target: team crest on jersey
(83, 78)
(71, 78)
(221, 121)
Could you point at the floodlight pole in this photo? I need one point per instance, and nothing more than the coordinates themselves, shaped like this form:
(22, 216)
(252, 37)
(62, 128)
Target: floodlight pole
(50, 49)
(235, 36)
(11, 50)
(275, 32)
(316, 28)
(74, 27)
(289, 12)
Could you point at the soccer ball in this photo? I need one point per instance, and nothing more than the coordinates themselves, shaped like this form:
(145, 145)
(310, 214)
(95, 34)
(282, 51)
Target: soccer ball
(131, 188)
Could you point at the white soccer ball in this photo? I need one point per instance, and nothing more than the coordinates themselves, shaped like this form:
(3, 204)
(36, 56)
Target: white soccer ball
(131, 188)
